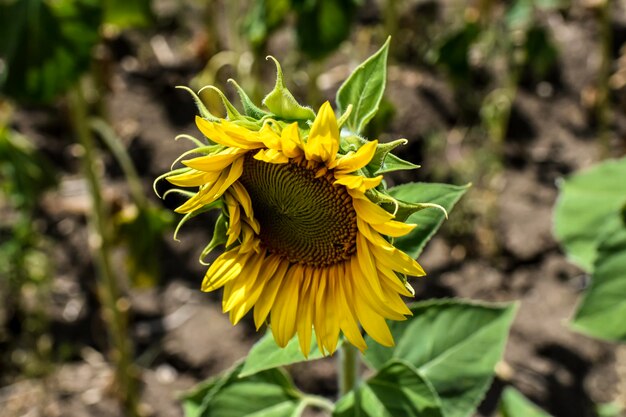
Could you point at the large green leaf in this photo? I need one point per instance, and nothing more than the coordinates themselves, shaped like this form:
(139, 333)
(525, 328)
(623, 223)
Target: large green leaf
(603, 308)
(46, 45)
(396, 390)
(428, 220)
(514, 404)
(588, 208)
(454, 344)
(266, 354)
(269, 394)
(364, 89)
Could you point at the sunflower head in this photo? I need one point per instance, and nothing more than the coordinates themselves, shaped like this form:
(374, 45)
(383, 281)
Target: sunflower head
(306, 224)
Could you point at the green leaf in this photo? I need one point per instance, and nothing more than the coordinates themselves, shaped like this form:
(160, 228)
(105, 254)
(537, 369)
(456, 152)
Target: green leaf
(263, 18)
(454, 344)
(127, 14)
(323, 24)
(428, 221)
(266, 354)
(396, 390)
(603, 308)
(270, 394)
(364, 89)
(514, 404)
(588, 208)
(282, 103)
(45, 45)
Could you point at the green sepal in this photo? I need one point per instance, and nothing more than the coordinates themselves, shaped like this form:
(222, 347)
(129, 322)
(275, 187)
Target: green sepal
(401, 209)
(232, 113)
(344, 117)
(205, 150)
(282, 103)
(204, 112)
(192, 214)
(219, 237)
(249, 108)
(192, 139)
(163, 176)
(384, 161)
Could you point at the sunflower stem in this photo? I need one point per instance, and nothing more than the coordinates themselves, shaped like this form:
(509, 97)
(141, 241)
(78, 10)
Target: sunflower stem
(115, 306)
(348, 372)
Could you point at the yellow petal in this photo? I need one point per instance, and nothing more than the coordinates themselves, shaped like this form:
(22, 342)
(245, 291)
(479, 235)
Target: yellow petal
(244, 290)
(306, 310)
(271, 156)
(393, 281)
(234, 222)
(283, 315)
(368, 265)
(358, 182)
(331, 310)
(215, 162)
(356, 160)
(323, 142)
(229, 134)
(320, 278)
(290, 141)
(397, 260)
(193, 178)
(364, 290)
(373, 323)
(269, 138)
(241, 195)
(266, 300)
(393, 228)
(370, 212)
(226, 267)
(254, 287)
(345, 302)
(215, 191)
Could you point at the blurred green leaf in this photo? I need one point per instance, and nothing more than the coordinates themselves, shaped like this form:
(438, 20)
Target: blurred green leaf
(603, 308)
(364, 89)
(514, 404)
(266, 354)
(588, 209)
(396, 390)
(269, 394)
(263, 18)
(128, 13)
(454, 345)
(429, 220)
(613, 409)
(142, 232)
(45, 45)
(452, 52)
(24, 172)
(541, 53)
(323, 24)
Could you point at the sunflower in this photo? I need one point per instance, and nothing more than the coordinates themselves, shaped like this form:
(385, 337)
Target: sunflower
(305, 246)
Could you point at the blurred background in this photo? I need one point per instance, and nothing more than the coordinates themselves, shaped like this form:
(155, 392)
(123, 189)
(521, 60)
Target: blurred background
(100, 308)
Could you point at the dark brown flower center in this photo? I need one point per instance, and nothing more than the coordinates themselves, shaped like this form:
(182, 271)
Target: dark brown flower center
(304, 219)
